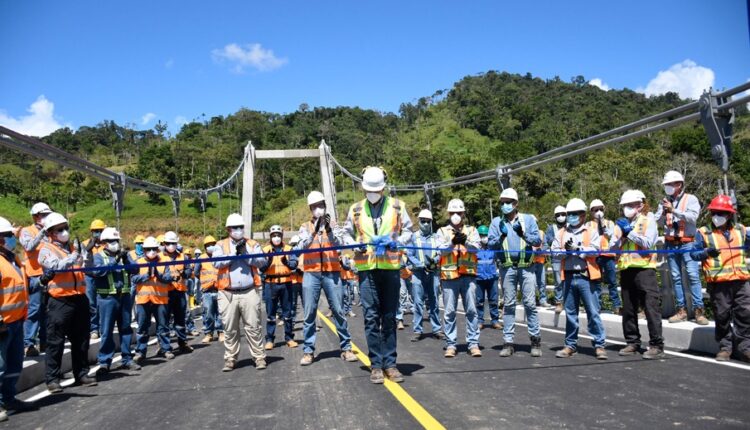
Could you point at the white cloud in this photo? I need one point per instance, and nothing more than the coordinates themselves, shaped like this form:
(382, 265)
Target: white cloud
(687, 79)
(39, 122)
(180, 120)
(145, 119)
(252, 55)
(600, 84)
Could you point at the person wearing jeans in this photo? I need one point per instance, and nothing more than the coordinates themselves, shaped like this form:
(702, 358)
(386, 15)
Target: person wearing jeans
(279, 288)
(606, 261)
(206, 274)
(487, 277)
(423, 258)
(549, 236)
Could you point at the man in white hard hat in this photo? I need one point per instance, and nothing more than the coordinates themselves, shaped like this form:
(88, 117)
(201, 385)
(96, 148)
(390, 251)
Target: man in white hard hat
(207, 275)
(239, 297)
(678, 215)
(279, 288)
(296, 282)
(606, 261)
(30, 237)
(380, 223)
(549, 236)
(638, 275)
(516, 234)
(425, 281)
(579, 241)
(321, 271)
(14, 302)
(179, 291)
(349, 282)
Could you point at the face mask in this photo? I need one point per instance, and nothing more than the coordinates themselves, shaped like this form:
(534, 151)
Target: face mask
(455, 219)
(506, 208)
(10, 243)
(96, 234)
(237, 233)
(276, 241)
(629, 212)
(151, 254)
(560, 218)
(171, 248)
(718, 220)
(113, 246)
(373, 197)
(319, 212)
(62, 236)
(574, 220)
(484, 240)
(669, 189)
(599, 214)
(161, 248)
(425, 227)
(139, 248)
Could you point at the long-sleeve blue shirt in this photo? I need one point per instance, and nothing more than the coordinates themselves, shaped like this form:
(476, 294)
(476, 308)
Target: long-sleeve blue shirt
(418, 258)
(101, 276)
(486, 267)
(496, 240)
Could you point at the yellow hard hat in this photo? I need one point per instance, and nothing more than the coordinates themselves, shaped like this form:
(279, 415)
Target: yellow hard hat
(97, 224)
(209, 239)
(160, 238)
(139, 239)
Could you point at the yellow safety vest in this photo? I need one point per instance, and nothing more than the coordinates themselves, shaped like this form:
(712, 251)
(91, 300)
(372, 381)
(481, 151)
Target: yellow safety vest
(364, 226)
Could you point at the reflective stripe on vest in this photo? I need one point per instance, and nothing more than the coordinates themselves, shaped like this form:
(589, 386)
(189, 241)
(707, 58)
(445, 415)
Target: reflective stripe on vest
(207, 274)
(628, 260)
(176, 270)
(594, 271)
(459, 261)
(151, 290)
(607, 225)
(325, 261)
(111, 279)
(223, 278)
(524, 258)
(364, 225)
(14, 297)
(730, 264)
(68, 283)
(421, 242)
(31, 262)
(277, 272)
(680, 223)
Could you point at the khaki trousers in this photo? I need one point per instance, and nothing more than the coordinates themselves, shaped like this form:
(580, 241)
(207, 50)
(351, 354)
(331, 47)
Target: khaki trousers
(241, 313)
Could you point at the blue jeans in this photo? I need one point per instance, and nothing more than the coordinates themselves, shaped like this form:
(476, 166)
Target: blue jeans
(465, 287)
(348, 295)
(36, 321)
(487, 288)
(379, 293)
(424, 291)
(608, 267)
(11, 360)
(279, 294)
(115, 310)
(296, 297)
(692, 267)
(558, 282)
(403, 298)
(211, 319)
(578, 289)
(176, 312)
(524, 276)
(145, 312)
(330, 283)
(541, 282)
(91, 295)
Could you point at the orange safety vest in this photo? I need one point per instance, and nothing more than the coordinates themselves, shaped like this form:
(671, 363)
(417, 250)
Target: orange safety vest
(680, 224)
(153, 290)
(633, 260)
(64, 284)
(31, 263)
(175, 270)
(14, 297)
(405, 272)
(96, 249)
(538, 258)
(207, 274)
(324, 261)
(603, 239)
(730, 264)
(347, 275)
(278, 272)
(222, 275)
(459, 261)
(594, 272)
(296, 277)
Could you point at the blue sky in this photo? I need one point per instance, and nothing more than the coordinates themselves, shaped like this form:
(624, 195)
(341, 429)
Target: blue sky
(136, 62)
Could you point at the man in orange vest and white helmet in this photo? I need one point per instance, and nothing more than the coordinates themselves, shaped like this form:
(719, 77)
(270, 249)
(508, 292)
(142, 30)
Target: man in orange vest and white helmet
(91, 247)
(30, 238)
(723, 247)
(207, 274)
(279, 288)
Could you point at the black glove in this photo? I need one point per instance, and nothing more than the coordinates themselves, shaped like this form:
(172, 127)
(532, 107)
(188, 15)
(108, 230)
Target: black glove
(459, 238)
(46, 277)
(240, 248)
(318, 223)
(327, 220)
(284, 260)
(601, 226)
(123, 256)
(151, 271)
(518, 228)
(712, 252)
(569, 245)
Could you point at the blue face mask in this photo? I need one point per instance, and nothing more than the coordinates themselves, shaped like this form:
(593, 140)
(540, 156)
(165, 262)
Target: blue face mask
(10, 243)
(139, 248)
(574, 220)
(506, 208)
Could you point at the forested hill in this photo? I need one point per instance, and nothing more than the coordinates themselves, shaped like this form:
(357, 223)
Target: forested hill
(484, 120)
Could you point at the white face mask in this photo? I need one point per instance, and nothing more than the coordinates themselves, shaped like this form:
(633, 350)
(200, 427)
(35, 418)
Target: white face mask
(113, 246)
(719, 220)
(319, 212)
(151, 254)
(237, 233)
(373, 197)
(669, 189)
(560, 218)
(171, 247)
(599, 214)
(276, 240)
(455, 219)
(484, 240)
(62, 236)
(629, 212)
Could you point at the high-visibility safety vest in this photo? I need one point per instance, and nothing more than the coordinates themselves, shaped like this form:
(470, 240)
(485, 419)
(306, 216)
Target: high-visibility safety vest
(152, 290)
(176, 270)
(223, 281)
(364, 226)
(730, 264)
(405, 272)
(296, 277)
(524, 256)
(682, 205)
(14, 296)
(608, 225)
(324, 261)
(96, 249)
(111, 279)
(31, 263)
(422, 242)
(632, 260)
(133, 256)
(67, 283)
(595, 272)
(459, 261)
(538, 257)
(207, 274)
(277, 272)
(347, 275)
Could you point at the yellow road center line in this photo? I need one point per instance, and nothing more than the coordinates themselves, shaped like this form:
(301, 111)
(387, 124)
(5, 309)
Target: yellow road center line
(407, 401)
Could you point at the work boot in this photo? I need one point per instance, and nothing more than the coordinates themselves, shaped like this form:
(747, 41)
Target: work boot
(32, 351)
(558, 308)
(94, 335)
(642, 315)
(3, 415)
(260, 364)
(616, 311)
(102, 370)
(507, 350)
(475, 352)
(394, 375)
(87, 381)
(566, 352)
(228, 366)
(376, 376)
(138, 358)
(497, 325)
(280, 322)
(54, 387)
(679, 316)
(700, 317)
(450, 352)
(20, 406)
(169, 355)
(654, 353)
(269, 346)
(306, 360)
(351, 314)
(630, 349)
(416, 337)
(601, 354)
(184, 348)
(221, 337)
(130, 365)
(400, 325)
(723, 355)
(194, 332)
(207, 339)
(439, 335)
(291, 343)
(536, 346)
(329, 313)
(349, 356)
(745, 356)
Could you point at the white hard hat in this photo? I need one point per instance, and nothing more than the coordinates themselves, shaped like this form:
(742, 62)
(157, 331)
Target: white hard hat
(5, 225)
(509, 193)
(171, 237)
(54, 219)
(575, 205)
(150, 242)
(110, 233)
(315, 197)
(560, 210)
(197, 251)
(40, 208)
(640, 195)
(235, 220)
(672, 176)
(596, 203)
(294, 240)
(373, 179)
(425, 214)
(276, 229)
(456, 205)
(631, 196)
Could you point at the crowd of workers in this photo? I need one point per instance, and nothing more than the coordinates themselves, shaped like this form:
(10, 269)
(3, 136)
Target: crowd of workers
(57, 288)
